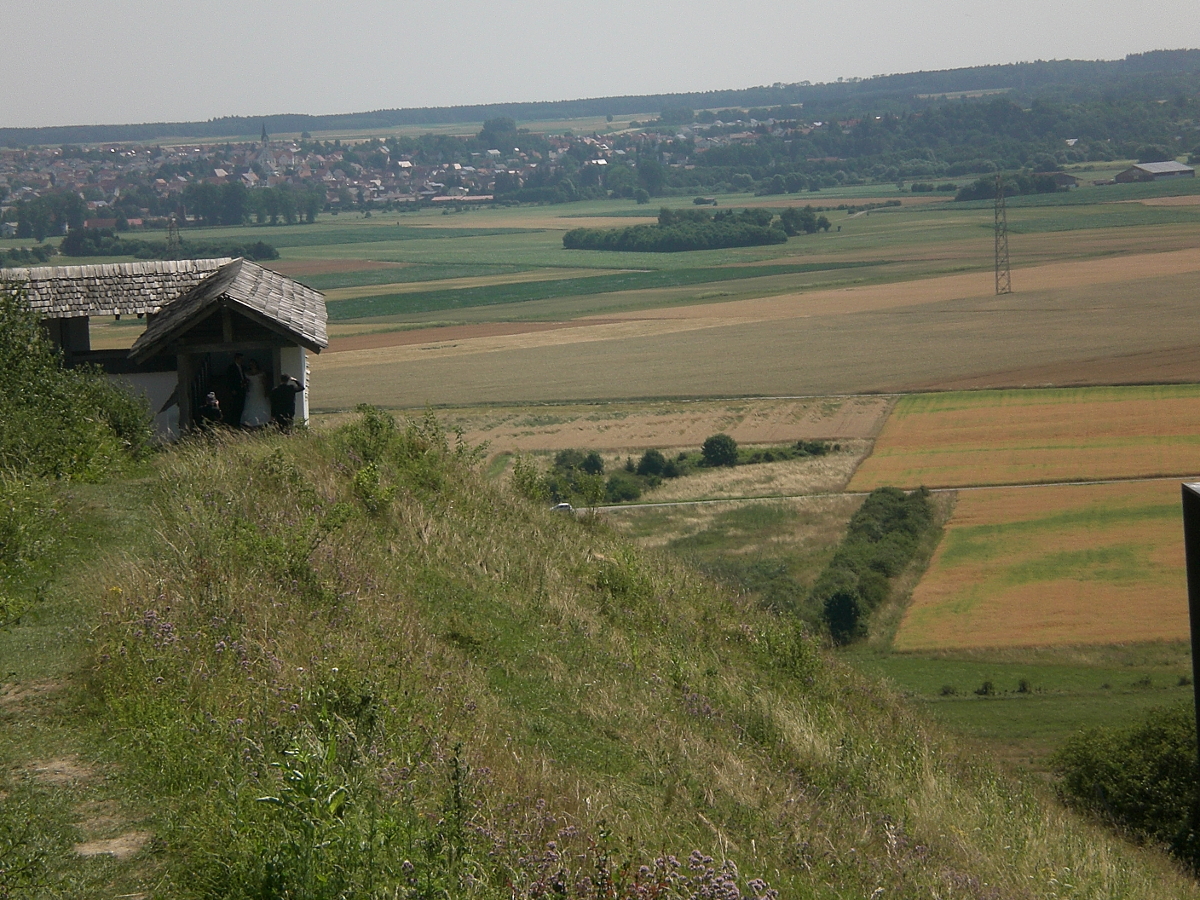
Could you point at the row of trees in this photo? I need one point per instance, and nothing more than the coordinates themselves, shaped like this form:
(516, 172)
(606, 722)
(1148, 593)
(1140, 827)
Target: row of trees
(104, 242)
(881, 540)
(682, 230)
(55, 212)
(1014, 185)
(234, 203)
(25, 256)
(580, 478)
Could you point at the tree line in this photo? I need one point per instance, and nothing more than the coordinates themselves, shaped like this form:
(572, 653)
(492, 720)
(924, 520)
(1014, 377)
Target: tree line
(105, 242)
(1161, 73)
(682, 230)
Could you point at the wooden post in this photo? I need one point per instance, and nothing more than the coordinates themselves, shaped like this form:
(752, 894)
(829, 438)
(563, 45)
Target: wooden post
(1191, 549)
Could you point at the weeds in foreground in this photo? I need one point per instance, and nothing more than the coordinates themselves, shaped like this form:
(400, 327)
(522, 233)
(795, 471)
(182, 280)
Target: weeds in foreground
(407, 684)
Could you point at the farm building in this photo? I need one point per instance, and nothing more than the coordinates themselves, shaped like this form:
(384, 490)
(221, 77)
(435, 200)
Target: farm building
(199, 314)
(1155, 172)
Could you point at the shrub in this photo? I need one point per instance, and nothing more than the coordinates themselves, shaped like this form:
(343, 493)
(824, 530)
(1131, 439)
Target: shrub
(622, 487)
(527, 480)
(1141, 778)
(593, 464)
(719, 450)
(56, 422)
(651, 463)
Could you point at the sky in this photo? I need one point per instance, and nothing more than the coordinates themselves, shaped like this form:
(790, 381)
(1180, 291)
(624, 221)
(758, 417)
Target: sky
(72, 62)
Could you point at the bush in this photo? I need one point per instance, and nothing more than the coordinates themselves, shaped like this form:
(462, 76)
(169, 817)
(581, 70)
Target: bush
(56, 422)
(622, 487)
(719, 450)
(593, 464)
(527, 481)
(651, 463)
(1141, 778)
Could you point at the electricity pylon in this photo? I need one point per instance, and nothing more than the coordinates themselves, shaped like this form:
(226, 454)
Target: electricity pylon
(1003, 273)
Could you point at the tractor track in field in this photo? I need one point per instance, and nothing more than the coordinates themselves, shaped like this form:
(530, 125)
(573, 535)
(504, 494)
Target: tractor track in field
(934, 490)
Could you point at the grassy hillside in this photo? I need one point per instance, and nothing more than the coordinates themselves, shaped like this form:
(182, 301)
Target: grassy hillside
(342, 664)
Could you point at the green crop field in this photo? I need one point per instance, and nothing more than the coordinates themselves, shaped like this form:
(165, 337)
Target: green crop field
(1064, 692)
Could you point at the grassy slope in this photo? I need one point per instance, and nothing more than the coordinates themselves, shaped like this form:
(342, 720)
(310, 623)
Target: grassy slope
(493, 677)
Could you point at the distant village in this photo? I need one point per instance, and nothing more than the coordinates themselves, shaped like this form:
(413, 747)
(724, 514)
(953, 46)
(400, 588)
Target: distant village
(51, 190)
(134, 186)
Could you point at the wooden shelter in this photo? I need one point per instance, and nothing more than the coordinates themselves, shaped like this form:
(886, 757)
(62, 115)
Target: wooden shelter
(199, 313)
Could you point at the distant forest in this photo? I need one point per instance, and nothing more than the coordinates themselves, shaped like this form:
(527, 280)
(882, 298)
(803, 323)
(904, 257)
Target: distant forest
(1161, 74)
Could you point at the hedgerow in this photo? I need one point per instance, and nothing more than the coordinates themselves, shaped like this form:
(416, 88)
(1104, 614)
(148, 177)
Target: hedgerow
(880, 542)
(682, 230)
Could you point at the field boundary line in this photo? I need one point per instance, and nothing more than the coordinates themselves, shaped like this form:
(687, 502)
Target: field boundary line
(937, 490)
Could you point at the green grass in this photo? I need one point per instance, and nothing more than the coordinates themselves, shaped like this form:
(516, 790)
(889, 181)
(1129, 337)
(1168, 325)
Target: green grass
(315, 236)
(492, 295)
(431, 680)
(406, 274)
(1042, 220)
(953, 401)
(1069, 690)
(975, 543)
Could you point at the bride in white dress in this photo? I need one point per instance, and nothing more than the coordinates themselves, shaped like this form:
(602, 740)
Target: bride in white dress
(257, 411)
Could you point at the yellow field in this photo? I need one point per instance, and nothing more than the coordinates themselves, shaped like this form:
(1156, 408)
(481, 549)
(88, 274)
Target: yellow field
(1054, 566)
(631, 427)
(1021, 437)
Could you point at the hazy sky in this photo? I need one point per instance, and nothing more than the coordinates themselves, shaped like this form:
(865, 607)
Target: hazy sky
(115, 61)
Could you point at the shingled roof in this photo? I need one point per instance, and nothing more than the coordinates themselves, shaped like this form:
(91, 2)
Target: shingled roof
(114, 289)
(274, 300)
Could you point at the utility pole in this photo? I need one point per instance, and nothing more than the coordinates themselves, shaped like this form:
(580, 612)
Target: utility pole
(1003, 273)
(1191, 553)
(173, 241)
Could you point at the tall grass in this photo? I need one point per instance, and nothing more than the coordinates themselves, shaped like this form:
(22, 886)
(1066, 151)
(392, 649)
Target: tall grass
(348, 666)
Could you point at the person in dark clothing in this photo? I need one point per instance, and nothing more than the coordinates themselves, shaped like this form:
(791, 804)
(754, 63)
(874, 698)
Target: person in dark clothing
(209, 413)
(235, 391)
(283, 401)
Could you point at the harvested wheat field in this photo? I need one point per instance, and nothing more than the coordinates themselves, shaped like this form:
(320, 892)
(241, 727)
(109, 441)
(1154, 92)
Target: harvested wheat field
(789, 478)
(681, 425)
(1054, 566)
(1024, 437)
(917, 335)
